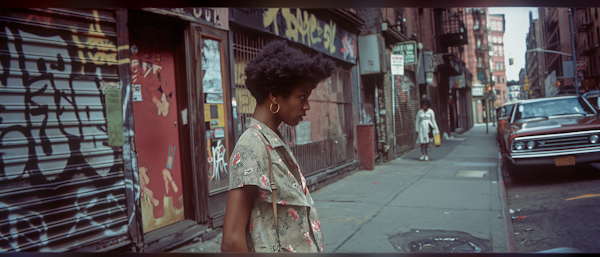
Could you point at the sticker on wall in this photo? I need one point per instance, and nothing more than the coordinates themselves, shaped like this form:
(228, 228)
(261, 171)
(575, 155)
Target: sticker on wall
(171, 157)
(114, 117)
(137, 92)
(219, 132)
(134, 49)
(184, 117)
(214, 98)
(208, 134)
(214, 123)
(110, 84)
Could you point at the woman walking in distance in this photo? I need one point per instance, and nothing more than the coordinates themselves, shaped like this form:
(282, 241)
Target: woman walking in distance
(269, 208)
(426, 128)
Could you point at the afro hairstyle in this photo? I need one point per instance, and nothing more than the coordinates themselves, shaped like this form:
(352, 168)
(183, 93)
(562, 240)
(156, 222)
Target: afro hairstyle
(279, 67)
(426, 102)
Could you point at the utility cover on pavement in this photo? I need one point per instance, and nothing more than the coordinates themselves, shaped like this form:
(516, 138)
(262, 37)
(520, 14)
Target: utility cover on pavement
(471, 173)
(438, 241)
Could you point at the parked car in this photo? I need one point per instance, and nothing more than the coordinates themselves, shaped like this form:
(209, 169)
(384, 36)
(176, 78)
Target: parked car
(558, 131)
(503, 114)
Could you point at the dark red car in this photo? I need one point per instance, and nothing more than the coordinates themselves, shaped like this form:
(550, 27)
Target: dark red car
(558, 131)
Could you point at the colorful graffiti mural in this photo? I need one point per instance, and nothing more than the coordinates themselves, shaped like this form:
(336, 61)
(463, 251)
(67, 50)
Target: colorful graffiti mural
(61, 185)
(300, 26)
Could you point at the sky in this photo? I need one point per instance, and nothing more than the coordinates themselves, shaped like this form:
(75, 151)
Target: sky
(517, 27)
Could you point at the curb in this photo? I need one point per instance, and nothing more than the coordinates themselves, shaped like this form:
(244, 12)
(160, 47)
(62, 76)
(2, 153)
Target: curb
(510, 235)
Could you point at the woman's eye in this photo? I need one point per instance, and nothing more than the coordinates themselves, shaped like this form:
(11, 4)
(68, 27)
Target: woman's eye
(303, 97)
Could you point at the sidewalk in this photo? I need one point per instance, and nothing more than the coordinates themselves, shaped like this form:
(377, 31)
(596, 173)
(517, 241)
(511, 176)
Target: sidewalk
(450, 203)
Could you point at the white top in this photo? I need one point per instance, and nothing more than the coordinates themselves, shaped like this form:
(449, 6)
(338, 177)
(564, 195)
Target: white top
(424, 120)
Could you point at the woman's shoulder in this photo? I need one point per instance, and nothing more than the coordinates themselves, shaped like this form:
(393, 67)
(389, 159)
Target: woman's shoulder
(250, 137)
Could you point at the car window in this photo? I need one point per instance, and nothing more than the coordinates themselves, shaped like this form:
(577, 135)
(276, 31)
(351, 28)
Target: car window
(553, 107)
(507, 110)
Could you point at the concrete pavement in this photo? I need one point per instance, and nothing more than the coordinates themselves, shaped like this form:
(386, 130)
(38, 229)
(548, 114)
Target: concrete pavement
(451, 203)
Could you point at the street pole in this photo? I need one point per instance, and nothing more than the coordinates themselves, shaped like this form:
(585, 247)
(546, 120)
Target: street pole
(575, 75)
(487, 111)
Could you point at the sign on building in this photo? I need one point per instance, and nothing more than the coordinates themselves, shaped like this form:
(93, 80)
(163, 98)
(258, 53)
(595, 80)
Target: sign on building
(457, 81)
(397, 63)
(477, 91)
(408, 50)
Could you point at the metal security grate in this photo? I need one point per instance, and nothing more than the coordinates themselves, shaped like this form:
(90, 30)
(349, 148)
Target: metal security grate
(407, 106)
(331, 137)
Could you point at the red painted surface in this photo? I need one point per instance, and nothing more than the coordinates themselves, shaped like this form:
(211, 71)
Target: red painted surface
(366, 146)
(156, 130)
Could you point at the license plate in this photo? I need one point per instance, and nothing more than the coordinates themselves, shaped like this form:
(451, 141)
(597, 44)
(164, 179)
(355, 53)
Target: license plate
(565, 160)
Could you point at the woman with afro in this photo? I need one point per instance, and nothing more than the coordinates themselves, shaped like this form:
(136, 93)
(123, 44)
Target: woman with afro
(426, 128)
(281, 78)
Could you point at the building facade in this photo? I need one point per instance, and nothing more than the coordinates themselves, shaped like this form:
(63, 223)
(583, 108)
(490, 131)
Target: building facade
(477, 59)
(497, 27)
(556, 35)
(587, 25)
(534, 60)
(116, 125)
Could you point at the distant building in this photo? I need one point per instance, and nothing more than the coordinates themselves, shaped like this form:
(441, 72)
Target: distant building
(497, 26)
(534, 60)
(556, 37)
(477, 56)
(587, 25)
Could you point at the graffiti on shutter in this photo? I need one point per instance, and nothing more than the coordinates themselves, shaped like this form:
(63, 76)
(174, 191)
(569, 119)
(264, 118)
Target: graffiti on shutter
(61, 186)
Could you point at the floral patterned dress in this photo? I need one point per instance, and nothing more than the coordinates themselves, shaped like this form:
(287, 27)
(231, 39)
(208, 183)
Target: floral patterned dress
(299, 227)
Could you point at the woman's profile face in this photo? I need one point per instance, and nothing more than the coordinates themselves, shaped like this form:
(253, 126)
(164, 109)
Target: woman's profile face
(293, 108)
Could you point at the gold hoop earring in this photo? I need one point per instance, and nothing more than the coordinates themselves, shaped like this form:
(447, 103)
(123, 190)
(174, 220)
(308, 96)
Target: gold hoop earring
(271, 108)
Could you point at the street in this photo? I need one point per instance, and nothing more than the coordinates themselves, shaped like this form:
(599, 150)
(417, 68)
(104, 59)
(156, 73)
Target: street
(448, 204)
(558, 208)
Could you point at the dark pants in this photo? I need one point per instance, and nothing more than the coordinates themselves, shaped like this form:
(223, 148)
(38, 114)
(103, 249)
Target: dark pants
(425, 150)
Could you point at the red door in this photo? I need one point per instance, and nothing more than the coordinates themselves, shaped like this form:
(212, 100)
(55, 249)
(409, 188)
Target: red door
(156, 129)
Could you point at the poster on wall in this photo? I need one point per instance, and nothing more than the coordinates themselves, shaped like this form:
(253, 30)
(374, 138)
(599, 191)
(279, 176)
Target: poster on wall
(114, 117)
(214, 114)
(211, 66)
(214, 98)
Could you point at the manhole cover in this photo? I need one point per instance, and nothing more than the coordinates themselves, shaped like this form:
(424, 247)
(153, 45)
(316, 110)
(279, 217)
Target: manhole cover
(436, 241)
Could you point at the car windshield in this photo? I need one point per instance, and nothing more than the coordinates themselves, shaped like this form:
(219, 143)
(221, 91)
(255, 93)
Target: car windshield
(553, 107)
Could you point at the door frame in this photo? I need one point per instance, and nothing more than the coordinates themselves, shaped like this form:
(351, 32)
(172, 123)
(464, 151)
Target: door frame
(193, 224)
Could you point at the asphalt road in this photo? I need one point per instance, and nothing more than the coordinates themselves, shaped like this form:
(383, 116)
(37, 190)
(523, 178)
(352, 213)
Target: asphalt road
(558, 208)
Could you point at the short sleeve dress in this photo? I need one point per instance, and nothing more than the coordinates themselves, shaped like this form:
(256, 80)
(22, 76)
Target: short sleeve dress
(299, 227)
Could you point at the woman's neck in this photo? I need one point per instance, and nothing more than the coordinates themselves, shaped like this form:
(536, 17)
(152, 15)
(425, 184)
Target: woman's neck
(264, 115)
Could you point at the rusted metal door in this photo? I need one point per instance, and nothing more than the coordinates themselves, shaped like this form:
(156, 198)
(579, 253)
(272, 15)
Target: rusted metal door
(156, 128)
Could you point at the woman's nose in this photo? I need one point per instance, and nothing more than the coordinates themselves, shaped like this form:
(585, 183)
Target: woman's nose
(307, 106)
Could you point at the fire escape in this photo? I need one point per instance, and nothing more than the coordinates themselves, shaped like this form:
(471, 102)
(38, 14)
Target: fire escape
(481, 44)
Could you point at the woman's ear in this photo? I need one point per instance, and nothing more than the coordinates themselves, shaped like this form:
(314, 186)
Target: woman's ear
(272, 98)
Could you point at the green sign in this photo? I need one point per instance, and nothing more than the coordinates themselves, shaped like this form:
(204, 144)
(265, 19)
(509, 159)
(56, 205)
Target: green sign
(408, 50)
(114, 117)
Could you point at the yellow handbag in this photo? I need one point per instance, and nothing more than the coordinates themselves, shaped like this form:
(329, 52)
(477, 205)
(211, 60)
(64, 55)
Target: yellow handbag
(437, 140)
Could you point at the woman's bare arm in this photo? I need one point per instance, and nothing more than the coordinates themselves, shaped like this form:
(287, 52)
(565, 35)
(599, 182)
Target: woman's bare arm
(237, 214)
